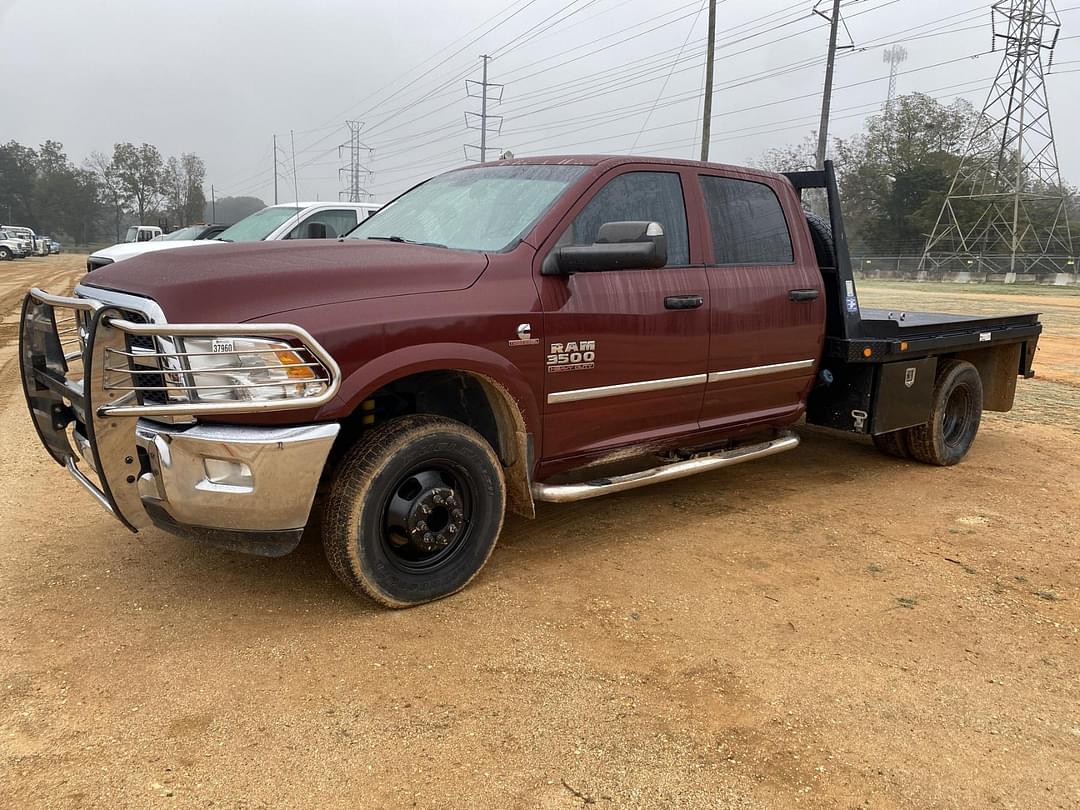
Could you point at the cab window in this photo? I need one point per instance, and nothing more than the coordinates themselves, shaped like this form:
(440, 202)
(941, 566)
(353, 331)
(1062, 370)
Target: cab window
(747, 222)
(325, 225)
(637, 197)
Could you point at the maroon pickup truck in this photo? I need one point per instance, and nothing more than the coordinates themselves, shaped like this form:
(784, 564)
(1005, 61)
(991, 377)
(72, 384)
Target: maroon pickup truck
(547, 329)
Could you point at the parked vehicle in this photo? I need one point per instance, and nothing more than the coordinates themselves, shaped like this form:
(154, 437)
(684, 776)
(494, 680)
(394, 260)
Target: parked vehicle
(548, 329)
(142, 233)
(287, 221)
(25, 234)
(11, 247)
(54, 246)
(195, 233)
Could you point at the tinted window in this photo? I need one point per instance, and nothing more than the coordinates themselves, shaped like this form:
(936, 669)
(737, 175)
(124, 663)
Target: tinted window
(747, 222)
(337, 222)
(637, 197)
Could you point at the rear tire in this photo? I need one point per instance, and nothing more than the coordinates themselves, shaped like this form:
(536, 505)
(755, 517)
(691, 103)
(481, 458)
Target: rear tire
(5, 254)
(955, 414)
(893, 444)
(414, 510)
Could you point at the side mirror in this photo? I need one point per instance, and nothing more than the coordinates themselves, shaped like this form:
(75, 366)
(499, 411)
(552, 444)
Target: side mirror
(618, 246)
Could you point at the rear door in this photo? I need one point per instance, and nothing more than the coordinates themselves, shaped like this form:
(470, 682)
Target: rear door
(626, 349)
(767, 314)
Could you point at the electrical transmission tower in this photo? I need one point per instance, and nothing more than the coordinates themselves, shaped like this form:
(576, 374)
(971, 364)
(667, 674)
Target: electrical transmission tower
(356, 173)
(1006, 211)
(893, 56)
(483, 121)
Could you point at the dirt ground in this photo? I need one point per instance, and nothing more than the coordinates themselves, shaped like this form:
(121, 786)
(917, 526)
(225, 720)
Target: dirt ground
(826, 628)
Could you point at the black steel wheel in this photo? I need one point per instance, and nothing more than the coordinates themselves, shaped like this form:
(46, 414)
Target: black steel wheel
(955, 414)
(414, 510)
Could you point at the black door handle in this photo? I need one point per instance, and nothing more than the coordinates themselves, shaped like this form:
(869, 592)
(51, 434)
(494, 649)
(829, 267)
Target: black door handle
(683, 302)
(803, 295)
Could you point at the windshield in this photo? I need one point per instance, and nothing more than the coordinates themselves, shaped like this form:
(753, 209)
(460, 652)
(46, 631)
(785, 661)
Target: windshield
(488, 208)
(132, 234)
(184, 233)
(257, 226)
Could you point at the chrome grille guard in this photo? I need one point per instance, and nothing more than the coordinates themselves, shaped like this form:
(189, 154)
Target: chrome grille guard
(121, 363)
(82, 374)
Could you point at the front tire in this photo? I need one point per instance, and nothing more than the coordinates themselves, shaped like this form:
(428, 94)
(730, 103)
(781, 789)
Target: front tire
(414, 510)
(5, 254)
(955, 414)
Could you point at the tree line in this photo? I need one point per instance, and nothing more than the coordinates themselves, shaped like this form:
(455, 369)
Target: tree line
(42, 188)
(894, 176)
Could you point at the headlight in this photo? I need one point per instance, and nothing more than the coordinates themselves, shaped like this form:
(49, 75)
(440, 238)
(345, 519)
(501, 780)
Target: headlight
(224, 369)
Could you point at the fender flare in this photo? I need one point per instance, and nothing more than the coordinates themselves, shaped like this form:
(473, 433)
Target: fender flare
(384, 369)
(512, 400)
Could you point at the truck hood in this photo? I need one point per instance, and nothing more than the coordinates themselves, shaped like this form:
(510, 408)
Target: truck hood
(127, 250)
(244, 281)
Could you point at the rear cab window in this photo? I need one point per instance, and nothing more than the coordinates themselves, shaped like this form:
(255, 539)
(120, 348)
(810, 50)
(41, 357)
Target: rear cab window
(746, 221)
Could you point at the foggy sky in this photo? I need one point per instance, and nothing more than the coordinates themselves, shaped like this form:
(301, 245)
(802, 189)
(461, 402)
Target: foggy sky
(220, 78)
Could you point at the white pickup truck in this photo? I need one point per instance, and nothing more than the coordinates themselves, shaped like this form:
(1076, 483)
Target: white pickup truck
(142, 233)
(13, 247)
(26, 235)
(302, 220)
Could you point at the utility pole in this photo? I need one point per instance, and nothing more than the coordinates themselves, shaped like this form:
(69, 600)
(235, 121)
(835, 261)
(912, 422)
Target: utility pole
(481, 90)
(826, 98)
(483, 113)
(355, 191)
(710, 58)
(275, 169)
(213, 205)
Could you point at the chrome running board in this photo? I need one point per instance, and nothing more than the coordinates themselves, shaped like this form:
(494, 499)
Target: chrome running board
(565, 493)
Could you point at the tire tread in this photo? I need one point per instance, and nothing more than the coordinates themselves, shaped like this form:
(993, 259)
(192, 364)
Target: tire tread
(353, 478)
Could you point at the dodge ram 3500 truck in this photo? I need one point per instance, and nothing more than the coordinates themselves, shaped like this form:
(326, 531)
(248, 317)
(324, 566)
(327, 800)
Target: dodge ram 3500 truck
(547, 329)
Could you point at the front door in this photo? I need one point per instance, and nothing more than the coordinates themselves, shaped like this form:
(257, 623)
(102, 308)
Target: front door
(768, 303)
(626, 349)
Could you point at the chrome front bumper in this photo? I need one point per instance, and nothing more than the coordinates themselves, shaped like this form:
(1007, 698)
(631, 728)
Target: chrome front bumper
(229, 476)
(244, 487)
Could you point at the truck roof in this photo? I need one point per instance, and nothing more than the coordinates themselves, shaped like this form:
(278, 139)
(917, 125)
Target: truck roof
(609, 161)
(309, 204)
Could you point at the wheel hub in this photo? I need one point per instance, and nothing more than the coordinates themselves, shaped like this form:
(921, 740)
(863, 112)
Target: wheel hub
(425, 513)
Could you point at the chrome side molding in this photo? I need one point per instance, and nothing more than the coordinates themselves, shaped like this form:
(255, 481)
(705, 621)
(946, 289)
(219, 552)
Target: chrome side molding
(760, 371)
(639, 387)
(566, 493)
(644, 386)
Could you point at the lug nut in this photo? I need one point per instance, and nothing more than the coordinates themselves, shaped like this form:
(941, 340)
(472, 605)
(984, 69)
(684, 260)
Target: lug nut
(421, 526)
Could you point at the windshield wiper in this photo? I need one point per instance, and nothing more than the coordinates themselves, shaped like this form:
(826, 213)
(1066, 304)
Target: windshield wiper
(403, 240)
